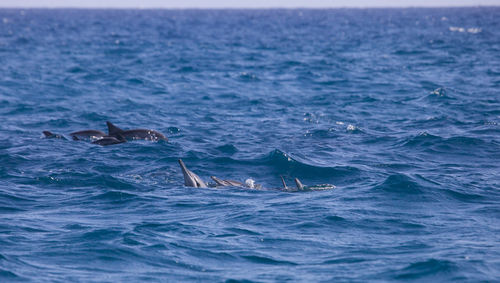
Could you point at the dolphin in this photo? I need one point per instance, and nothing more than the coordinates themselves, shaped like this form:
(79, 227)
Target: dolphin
(90, 134)
(220, 182)
(301, 187)
(193, 180)
(249, 183)
(135, 134)
(298, 184)
(50, 135)
(109, 140)
(87, 135)
(190, 178)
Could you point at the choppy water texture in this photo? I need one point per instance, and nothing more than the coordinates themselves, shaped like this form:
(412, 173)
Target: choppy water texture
(399, 108)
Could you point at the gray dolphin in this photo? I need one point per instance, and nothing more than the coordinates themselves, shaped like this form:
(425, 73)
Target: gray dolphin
(190, 178)
(87, 135)
(301, 187)
(135, 134)
(298, 184)
(220, 182)
(249, 183)
(193, 180)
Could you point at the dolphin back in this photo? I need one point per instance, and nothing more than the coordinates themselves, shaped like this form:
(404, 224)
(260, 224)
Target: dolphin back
(135, 134)
(87, 134)
(50, 135)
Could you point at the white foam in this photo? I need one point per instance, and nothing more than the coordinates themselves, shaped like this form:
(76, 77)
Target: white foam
(469, 30)
(250, 183)
(474, 30)
(459, 29)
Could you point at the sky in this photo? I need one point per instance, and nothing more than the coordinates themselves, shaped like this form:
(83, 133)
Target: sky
(243, 3)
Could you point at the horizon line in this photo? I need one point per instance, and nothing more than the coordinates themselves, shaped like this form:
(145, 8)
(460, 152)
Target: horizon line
(243, 7)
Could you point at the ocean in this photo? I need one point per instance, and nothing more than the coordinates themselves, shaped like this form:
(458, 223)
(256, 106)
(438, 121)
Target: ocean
(399, 109)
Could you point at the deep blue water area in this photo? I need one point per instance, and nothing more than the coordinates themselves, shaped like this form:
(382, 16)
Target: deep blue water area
(398, 108)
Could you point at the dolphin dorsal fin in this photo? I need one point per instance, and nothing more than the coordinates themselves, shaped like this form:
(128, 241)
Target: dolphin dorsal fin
(112, 129)
(299, 184)
(47, 134)
(283, 181)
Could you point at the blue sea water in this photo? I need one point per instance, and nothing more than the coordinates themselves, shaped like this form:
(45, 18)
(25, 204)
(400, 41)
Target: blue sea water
(398, 108)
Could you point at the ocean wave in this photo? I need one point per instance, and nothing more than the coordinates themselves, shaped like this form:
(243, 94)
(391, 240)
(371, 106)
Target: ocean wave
(284, 162)
(453, 145)
(390, 105)
(400, 184)
(431, 268)
(116, 197)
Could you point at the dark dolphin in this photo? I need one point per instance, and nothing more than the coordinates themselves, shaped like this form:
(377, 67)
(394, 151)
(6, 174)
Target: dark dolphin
(109, 140)
(135, 134)
(87, 135)
(50, 135)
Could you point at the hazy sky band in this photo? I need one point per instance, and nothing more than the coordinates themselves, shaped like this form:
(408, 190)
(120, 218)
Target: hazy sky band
(243, 3)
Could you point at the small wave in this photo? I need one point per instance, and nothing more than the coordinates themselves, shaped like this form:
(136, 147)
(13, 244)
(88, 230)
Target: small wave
(322, 133)
(400, 184)
(411, 52)
(227, 149)
(461, 196)
(8, 275)
(76, 70)
(187, 69)
(344, 260)
(120, 51)
(330, 219)
(459, 145)
(101, 234)
(422, 139)
(115, 196)
(241, 231)
(135, 81)
(10, 209)
(426, 268)
(283, 162)
(239, 281)
(267, 260)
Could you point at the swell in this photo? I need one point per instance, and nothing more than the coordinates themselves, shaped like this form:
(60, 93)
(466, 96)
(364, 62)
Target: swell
(278, 162)
(456, 145)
